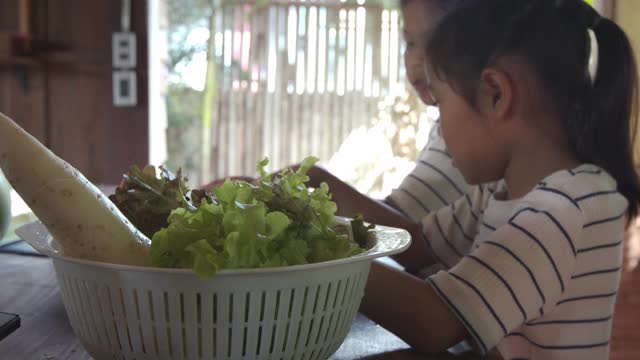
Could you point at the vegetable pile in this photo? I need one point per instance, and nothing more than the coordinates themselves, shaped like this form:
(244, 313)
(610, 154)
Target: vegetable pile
(276, 221)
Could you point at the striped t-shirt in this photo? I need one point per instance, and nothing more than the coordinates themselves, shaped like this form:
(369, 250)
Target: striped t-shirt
(537, 276)
(433, 183)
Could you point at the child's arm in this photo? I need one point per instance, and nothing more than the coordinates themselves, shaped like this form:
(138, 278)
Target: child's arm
(351, 202)
(409, 307)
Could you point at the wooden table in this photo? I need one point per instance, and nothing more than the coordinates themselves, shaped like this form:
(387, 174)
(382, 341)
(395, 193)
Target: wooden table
(28, 287)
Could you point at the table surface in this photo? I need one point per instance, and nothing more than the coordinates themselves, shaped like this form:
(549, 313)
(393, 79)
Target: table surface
(28, 287)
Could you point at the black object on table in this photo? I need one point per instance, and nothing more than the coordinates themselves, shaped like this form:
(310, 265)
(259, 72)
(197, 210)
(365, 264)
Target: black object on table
(19, 247)
(8, 324)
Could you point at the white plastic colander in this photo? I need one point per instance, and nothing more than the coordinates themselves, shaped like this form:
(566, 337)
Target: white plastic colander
(294, 312)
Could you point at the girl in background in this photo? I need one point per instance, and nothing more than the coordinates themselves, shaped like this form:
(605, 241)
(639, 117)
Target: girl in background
(434, 182)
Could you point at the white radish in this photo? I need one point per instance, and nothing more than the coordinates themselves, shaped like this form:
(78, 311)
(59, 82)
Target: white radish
(81, 219)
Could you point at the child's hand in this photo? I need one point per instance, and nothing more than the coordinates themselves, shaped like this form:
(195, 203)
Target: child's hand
(418, 255)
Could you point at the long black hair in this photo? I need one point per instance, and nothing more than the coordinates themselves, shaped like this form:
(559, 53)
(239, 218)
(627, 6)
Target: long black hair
(551, 36)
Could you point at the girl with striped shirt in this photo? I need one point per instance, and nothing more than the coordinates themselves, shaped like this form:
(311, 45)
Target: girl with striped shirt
(434, 182)
(537, 102)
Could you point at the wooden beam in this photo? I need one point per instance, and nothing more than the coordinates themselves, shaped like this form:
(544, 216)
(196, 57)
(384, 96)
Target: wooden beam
(24, 12)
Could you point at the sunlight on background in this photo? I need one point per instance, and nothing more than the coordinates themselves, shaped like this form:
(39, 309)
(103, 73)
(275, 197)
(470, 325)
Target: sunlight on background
(322, 63)
(390, 145)
(190, 71)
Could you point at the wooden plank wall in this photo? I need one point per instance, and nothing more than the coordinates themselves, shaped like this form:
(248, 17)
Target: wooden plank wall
(295, 78)
(21, 85)
(64, 97)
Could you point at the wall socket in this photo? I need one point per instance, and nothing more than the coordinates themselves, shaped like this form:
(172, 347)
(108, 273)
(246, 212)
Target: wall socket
(124, 50)
(125, 89)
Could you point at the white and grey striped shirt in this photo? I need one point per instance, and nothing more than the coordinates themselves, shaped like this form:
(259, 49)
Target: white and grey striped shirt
(538, 276)
(433, 183)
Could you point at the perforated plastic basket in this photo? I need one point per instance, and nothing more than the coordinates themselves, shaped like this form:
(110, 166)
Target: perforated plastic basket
(296, 312)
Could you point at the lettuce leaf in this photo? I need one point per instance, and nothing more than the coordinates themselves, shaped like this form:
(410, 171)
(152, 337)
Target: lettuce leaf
(147, 200)
(276, 222)
(360, 230)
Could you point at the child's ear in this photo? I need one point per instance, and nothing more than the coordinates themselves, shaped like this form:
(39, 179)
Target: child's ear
(496, 93)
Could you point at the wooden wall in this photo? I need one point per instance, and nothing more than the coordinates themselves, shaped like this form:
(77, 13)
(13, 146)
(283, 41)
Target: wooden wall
(293, 79)
(62, 94)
